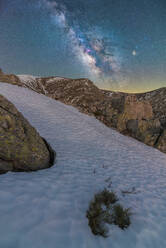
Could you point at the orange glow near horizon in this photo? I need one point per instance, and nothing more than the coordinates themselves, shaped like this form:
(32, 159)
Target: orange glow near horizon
(135, 88)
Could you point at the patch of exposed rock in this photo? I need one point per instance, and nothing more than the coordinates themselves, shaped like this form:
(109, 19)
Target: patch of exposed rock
(142, 116)
(10, 78)
(21, 147)
(138, 121)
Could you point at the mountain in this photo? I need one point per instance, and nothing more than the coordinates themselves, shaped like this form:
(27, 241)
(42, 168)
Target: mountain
(141, 116)
(47, 208)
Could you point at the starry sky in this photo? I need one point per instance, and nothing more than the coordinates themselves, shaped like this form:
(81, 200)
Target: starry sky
(119, 44)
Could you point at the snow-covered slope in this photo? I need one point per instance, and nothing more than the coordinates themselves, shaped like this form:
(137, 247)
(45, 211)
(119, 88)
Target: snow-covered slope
(27, 78)
(46, 209)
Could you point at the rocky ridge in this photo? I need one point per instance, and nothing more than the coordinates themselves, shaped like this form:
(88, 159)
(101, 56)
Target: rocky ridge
(142, 116)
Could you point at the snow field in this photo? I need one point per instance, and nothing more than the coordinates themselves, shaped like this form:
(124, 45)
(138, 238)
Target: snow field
(47, 208)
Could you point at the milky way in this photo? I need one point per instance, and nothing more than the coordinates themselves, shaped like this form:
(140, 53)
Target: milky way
(118, 44)
(88, 46)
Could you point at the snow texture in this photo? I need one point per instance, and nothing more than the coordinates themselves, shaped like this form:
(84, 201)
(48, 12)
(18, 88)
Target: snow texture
(27, 78)
(52, 80)
(30, 81)
(46, 209)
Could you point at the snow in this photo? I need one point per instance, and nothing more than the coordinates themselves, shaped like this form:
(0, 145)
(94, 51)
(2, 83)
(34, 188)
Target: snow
(27, 78)
(52, 80)
(47, 209)
(32, 83)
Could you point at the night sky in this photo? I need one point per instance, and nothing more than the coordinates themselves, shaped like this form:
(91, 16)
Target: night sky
(119, 44)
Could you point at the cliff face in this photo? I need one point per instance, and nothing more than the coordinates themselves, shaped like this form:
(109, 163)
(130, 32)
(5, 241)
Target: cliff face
(138, 121)
(142, 116)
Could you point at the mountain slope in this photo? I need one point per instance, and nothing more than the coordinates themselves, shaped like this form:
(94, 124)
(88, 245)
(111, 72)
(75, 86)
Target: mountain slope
(47, 208)
(142, 116)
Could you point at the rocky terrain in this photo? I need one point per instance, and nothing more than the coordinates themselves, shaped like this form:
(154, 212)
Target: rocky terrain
(10, 78)
(21, 147)
(142, 116)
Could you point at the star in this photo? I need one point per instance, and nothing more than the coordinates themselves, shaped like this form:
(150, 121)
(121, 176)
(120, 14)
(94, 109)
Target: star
(134, 53)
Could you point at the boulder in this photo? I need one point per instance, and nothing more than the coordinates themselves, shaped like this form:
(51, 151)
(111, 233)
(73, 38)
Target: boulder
(21, 147)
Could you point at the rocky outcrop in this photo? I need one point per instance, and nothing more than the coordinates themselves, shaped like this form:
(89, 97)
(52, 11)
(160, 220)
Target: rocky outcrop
(142, 116)
(137, 120)
(10, 78)
(21, 147)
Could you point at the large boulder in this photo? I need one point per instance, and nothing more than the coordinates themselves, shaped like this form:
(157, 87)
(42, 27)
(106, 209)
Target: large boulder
(21, 147)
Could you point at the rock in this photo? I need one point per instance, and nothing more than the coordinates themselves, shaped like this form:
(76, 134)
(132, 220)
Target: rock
(11, 79)
(21, 147)
(148, 131)
(132, 126)
(161, 144)
(138, 121)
